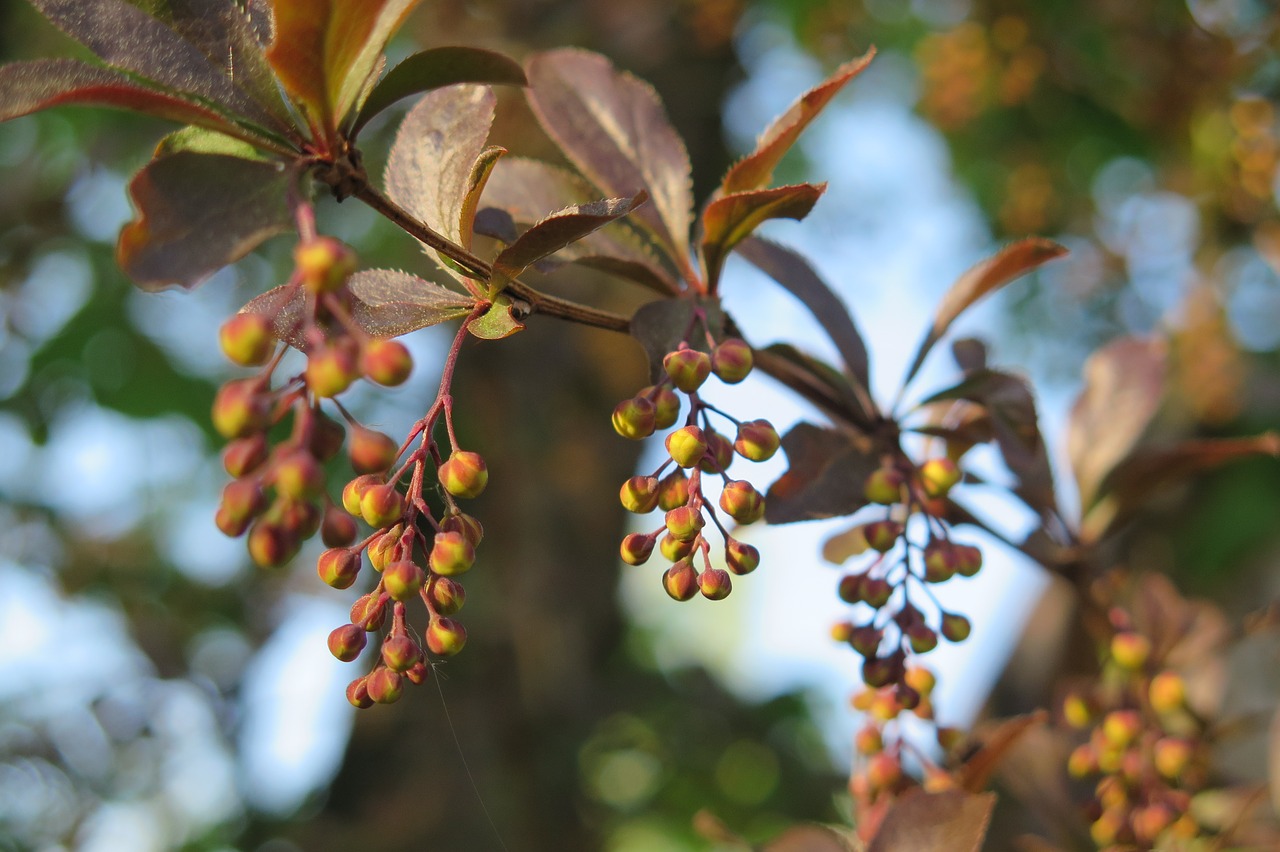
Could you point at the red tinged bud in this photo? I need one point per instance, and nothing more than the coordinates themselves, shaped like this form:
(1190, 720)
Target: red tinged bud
(742, 502)
(331, 369)
(418, 673)
(369, 611)
(637, 548)
(446, 596)
(383, 549)
(866, 640)
(878, 671)
(451, 554)
(635, 418)
(346, 642)
(757, 441)
(684, 523)
(665, 403)
(323, 263)
(463, 523)
(370, 451)
(386, 362)
(922, 638)
(876, 591)
(955, 627)
(242, 501)
(869, 740)
(673, 490)
(247, 340)
(687, 368)
(400, 653)
(1171, 756)
(339, 567)
(639, 494)
(920, 679)
(385, 686)
(741, 558)
(337, 529)
(464, 475)
(687, 446)
(719, 454)
(673, 549)
(884, 771)
(445, 637)
(938, 476)
(842, 631)
(245, 455)
(968, 559)
(358, 693)
(940, 561)
(882, 535)
(849, 589)
(681, 581)
(1130, 650)
(297, 476)
(327, 436)
(884, 486)
(402, 580)
(270, 545)
(354, 491)
(240, 409)
(381, 506)
(1167, 693)
(732, 360)
(715, 584)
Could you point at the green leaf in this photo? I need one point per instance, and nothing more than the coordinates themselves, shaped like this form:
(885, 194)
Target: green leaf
(435, 68)
(197, 213)
(756, 169)
(730, 219)
(660, 327)
(384, 303)
(202, 141)
(991, 274)
(612, 126)
(793, 272)
(501, 320)
(1123, 387)
(825, 478)
(935, 822)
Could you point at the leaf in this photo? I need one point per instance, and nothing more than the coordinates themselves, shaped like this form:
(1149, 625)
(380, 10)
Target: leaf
(935, 822)
(815, 380)
(1273, 761)
(1123, 386)
(431, 165)
(481, 169)
(809, 838)
(798, 277)
(385, 303)
(1007, 264)
(501, 320)
(196, 214)
(434, 69)
(614, 129)
(1012, 408)
(730, 219)
(202, 141)
(325, 50)
(128, 38)
(996, 743)
(526, 190)
(660, 327)
(756, 169)
(842, 547)
(825, 478)
(559, 230)
(1131, 483)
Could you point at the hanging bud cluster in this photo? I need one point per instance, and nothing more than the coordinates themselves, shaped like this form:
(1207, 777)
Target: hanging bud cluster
(278, 496)
(1146, 748)
(695, 450)
(897, 615)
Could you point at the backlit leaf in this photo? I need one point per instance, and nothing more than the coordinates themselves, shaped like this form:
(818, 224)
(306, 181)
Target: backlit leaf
(756, 169)
(1009, 263)
(842, 547)
(815, 380)
(825, 478)
(501, 320)
(435, 68)
(198, 212)
(935, 822)
(793, 272)
(559, 230)
(614, 129)
(730, 219)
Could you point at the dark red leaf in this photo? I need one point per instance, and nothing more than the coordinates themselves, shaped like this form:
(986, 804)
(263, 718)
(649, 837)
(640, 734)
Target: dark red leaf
(756, 169)
(197, 213)
(434, 69)
(793, 272)
(825, 479)
(1123, 386)
(1006, 265)
(996, 741)
(730, 219)
(935, 822)
(614, 129)
(559, 230)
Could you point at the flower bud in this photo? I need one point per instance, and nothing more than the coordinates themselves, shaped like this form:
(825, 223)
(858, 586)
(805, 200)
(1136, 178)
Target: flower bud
(242, 501)
(878, 671)
(346, 642)
(386, 362)
(940, 561)
(635, 418)
(876, 591)
(464, 475)
(1150, 821)
(842, 631)
(247, 340)
(920, 679)
(461, 522)
(968, 559)
(1121, 727)
(385, 686)
(637, 548)
(866, 640)
(354, 491)
(687, 446)
(402, 580)
(244, 455)
(687, 368)
(757, 440)
(240, 409)
(371, 451)
(297, 476)
(1171, 756)
(451, 554)
(400, 653)
(337, 529)
(369, 611)
(299, 518)
(922, 638)
(332, 368)
(383, 549)
(673, 549)
(323, 263)
(665, 403)
(446, 596)
(955, 627)
(1076, 711)
(446, 637)
(742, 502)
(882, 535)
(732, 360)
(681, 581)
(937, 476)
(358, 693)
(884, 771)
(684, 523)
(339, 567)
(740, 558)
(715, 584)
(381, 506)
(327, 436)
(1082, 762)
(869, 740)
(719, 454)
(270, 545)
(1167, 693)
(673, 490)
(884, 486)
(1130, 650)
(639, 494)
(418, 673)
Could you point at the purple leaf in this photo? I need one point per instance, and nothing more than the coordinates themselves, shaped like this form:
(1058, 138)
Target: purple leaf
(614, 129)
(756, 169)
(435, 68)
(950, 821)
(793, 272)
(825, 478)
(730, 219)
(815, 380)
(385, 303)
(430, 171)
(1004, 266)
(1124, 383)
(559, 230)
(197, 213)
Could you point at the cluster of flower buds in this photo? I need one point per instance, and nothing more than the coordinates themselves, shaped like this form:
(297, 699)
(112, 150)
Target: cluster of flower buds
(1146, 747)
(278, 495)
(695, 450)
(905, 618)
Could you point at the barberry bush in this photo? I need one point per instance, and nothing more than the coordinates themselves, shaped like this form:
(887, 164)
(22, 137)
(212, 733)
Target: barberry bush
(274, 100)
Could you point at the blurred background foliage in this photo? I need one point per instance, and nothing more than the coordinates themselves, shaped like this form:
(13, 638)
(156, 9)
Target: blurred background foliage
(135, 649)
